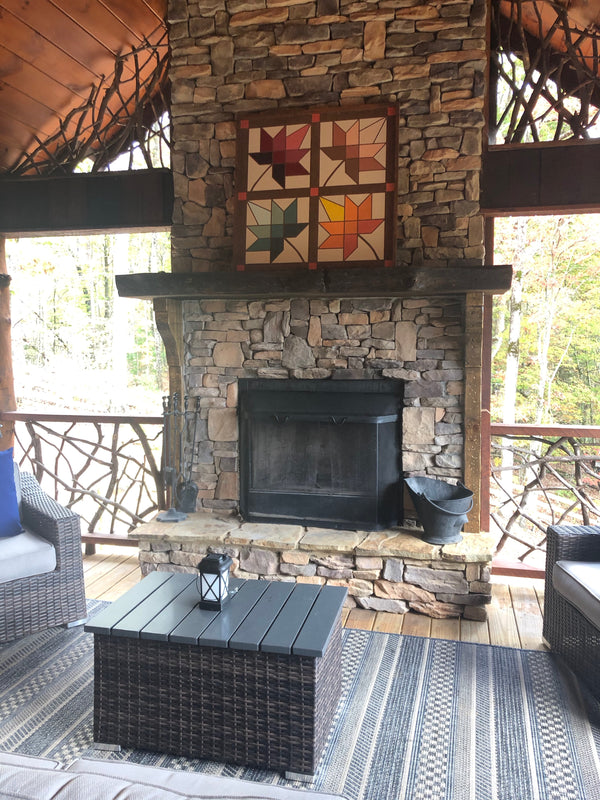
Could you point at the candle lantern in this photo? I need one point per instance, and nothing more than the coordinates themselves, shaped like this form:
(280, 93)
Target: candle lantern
(213, 581)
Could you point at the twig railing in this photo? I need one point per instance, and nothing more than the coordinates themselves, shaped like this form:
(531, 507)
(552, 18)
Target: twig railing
(540, 476)
(105, 468)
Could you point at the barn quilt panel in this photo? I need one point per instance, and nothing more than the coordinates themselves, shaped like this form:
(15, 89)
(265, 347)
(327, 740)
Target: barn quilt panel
(317, 188)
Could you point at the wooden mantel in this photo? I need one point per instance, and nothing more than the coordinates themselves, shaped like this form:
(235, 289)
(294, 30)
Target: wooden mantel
(333, 283)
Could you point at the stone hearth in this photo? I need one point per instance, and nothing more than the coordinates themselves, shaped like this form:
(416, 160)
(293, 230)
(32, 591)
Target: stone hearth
(390, 570)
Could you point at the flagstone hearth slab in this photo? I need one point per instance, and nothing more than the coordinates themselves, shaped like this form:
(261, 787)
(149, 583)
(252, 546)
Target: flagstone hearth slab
(196, 526)
(473, 547)
(331, 540)
(258, 534)
(400, 544)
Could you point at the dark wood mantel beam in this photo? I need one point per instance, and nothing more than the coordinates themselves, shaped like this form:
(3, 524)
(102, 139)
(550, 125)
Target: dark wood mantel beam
(336, 283)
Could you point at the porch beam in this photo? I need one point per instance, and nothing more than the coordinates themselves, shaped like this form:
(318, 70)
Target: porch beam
(327, 282)
(544, 178)
(516, 569)
(86, 203)
(525, 430)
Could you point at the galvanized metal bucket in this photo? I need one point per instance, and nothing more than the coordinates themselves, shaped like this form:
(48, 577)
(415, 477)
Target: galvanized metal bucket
(442, 508)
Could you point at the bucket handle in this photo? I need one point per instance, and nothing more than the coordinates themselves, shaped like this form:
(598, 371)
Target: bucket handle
(445, 511)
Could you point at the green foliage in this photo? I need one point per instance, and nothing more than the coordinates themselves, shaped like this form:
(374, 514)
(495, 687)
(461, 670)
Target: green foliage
(556, 266)
(76, 344)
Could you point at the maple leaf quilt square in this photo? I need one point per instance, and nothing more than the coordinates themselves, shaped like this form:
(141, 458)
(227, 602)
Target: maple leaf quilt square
(317, 188)
(279, 158)
(353, 152)
(351, 228)
(277, 231)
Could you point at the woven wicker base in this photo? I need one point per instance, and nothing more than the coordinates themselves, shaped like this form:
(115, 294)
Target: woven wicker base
(568, 633)
(251, 708)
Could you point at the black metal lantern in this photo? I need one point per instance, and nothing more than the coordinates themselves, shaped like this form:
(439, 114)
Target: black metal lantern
(213, 581)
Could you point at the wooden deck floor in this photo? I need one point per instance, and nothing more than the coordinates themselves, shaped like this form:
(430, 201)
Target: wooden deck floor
(514, 615)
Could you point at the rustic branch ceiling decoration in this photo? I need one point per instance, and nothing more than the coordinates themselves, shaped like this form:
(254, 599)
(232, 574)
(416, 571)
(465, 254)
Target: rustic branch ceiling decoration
(544, 71)
(79, 79)
(317, 188)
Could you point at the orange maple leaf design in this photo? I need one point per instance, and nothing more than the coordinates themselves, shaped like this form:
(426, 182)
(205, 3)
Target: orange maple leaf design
(347, 223)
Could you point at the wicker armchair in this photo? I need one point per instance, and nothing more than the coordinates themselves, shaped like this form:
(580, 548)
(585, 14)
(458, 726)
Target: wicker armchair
(567, 631)
(53, 598)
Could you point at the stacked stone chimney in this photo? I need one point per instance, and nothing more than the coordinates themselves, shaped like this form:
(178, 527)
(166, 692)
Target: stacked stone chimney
(234, 56)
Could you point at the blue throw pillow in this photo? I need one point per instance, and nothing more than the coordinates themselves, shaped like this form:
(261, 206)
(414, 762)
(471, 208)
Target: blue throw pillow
(10, 522)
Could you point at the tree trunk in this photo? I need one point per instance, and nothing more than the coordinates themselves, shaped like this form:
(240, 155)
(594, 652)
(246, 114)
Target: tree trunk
(511, 374)
(512, 356)
(7, 387)
(118, 311)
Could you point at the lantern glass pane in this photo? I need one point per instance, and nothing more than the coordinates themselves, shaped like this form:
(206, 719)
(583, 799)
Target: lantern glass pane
(209, 587)
(224, 584)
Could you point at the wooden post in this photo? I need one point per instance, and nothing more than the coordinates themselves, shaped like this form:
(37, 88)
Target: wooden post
(7, 387)
(486, 388)
(472, 450)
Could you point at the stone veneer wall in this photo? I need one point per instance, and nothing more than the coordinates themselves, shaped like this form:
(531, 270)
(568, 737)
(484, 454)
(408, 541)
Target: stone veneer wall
(420, 341)
(232, 56)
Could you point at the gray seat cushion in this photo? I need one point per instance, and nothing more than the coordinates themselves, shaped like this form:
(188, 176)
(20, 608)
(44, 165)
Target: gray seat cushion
(18, 760)
(579, 583)
(193, 784)
(28, 778)
(24, 555)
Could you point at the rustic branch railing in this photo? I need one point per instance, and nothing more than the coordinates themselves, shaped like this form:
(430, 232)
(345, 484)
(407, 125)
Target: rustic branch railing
(541, 475)
(544, 68)
(105, 468)
(123, 109)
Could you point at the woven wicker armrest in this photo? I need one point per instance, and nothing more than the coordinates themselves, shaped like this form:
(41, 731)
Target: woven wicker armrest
(573, 543)
(44, 516)
(566, 630)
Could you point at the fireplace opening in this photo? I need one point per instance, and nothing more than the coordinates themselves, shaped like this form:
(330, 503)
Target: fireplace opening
(323, 453)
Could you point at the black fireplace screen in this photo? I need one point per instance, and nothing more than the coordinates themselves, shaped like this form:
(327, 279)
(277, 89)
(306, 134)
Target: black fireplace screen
(323, 453)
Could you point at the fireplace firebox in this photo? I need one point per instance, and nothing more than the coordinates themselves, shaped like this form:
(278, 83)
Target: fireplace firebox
(324, 453)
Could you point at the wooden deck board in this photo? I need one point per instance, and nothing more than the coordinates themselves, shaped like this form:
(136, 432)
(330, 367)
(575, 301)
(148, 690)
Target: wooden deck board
(446, 629)
(388, 623)
(528, 617)
(471, 631)
(416, 624)
(361, 618)
(514, 615)
(501, 619)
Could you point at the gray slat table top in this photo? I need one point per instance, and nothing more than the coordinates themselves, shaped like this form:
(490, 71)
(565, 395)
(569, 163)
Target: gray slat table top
(284, 630)
(273, 617)
(114, 613)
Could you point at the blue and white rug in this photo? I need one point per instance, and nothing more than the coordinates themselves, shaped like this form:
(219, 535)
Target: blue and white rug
(419, 719)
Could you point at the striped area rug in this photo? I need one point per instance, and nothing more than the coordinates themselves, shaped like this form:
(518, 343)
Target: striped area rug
(419, 719)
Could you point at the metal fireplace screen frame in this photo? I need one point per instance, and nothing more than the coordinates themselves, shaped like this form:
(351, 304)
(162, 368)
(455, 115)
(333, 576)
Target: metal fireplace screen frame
(321, 453)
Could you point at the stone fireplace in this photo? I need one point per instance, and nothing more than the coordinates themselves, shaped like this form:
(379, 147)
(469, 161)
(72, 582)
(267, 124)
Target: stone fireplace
(418, 322)
(418, 342)
(321, 452)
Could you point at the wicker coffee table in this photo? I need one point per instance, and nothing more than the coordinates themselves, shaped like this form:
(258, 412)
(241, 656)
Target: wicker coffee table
(255, 684)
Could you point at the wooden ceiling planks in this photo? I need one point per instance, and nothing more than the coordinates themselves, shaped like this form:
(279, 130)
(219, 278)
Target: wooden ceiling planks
(56, 25)
(54, 51)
